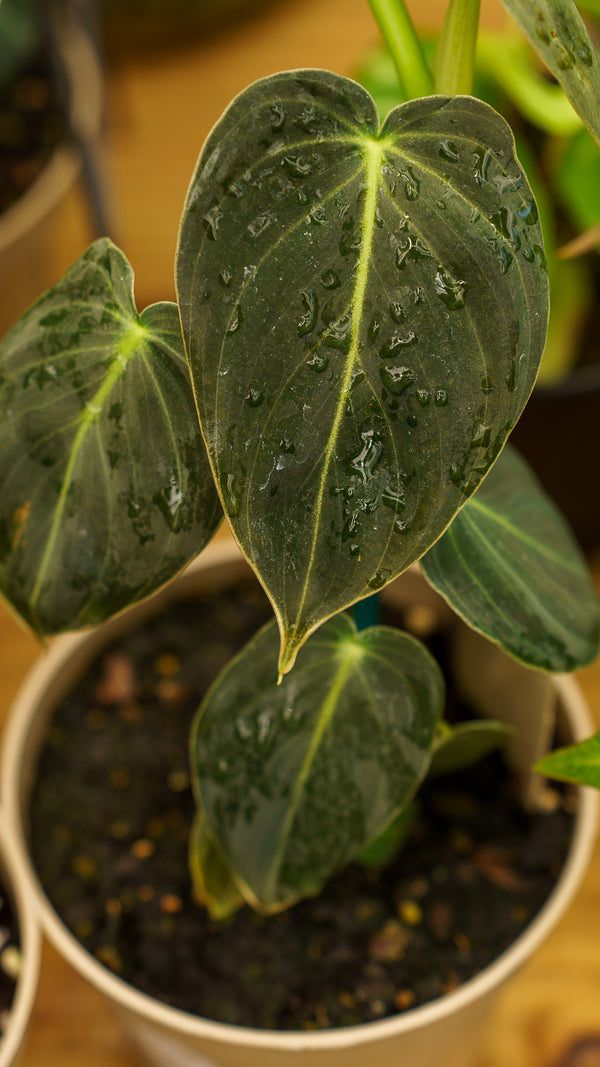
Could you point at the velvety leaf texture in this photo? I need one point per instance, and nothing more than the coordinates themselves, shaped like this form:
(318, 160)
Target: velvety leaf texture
(364, 312)
(295, 780)
(510, 567)
(105, 487)
(559, 35)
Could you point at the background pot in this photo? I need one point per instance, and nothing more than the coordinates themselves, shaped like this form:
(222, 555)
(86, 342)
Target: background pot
(13, 882)
(34, 226)
(167, 1035)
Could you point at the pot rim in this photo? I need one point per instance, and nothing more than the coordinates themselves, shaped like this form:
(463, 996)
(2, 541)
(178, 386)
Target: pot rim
(30, 944)
(22, 715)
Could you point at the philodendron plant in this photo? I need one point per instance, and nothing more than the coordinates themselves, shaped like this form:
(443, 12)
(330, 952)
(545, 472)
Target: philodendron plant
(361, 312)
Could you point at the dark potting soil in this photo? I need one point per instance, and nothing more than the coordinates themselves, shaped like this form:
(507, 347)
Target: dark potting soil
(32, 125)
(10, 957)
(110, 816)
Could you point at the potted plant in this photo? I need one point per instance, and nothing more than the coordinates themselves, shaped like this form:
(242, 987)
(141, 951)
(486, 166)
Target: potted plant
(19, 951)
(361, 312)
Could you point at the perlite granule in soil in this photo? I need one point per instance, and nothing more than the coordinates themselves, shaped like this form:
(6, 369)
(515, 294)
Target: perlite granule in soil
(110, 816)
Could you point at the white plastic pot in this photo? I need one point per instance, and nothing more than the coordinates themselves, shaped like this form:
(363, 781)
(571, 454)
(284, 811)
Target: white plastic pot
(14, 884)
(450, 1027)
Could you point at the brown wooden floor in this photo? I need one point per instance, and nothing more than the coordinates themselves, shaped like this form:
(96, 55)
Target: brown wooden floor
(162, 104)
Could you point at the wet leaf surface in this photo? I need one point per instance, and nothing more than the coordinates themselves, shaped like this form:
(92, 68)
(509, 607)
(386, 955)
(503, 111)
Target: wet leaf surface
(296, 779)
(364, 312)
(106, 490)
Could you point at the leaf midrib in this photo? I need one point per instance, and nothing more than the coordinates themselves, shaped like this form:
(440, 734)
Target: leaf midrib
(126, 347)
(374, 151)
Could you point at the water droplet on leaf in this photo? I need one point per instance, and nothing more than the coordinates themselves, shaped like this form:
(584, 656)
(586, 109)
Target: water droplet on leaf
(397, 379)
(330, 279)
(310, 304)
(450, 290)
(254, 397)
(448, 150)
(236, 320)
(260, 224)
(212, 220)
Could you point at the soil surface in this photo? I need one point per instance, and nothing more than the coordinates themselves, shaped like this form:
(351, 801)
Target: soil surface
(9, 957)
(32, 125)
(110, 817)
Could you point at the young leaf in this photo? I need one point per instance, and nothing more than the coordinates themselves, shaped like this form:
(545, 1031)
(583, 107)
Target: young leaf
(105, 488)
(510, 567)
(364, 312)
(458, 747)
(576, 763)
(296, 779)
(558, 33)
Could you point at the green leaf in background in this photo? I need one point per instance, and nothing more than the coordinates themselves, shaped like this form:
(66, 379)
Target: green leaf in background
(458, 747)
(213, 884)
(576, 763)
(20, 35)
(296, 779)
(577, 181)
(364, 313)
(510, 567)
(509, 61)
(558, 33)
(106, 492)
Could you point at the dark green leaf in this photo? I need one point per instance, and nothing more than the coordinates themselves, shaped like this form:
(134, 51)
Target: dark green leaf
(558, 33)
(577, 763)
(458, 747)
(510, 567)
(364, 312)
(296, 779)
(105, 488)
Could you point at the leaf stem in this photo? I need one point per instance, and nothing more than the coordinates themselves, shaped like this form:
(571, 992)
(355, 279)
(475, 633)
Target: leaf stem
(401, 38)
(454, 65)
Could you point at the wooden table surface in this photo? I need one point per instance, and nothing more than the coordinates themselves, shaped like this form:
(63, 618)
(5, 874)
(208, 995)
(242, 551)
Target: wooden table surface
(161, 106)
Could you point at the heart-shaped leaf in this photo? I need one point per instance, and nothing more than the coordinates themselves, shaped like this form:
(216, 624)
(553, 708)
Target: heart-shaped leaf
(364, 312)
(510, 567)
(576, 763)
(105, 487)
(296, 779)
(558, 33)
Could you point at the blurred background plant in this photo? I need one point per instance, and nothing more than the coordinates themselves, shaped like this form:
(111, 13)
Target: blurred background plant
(563, 165)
